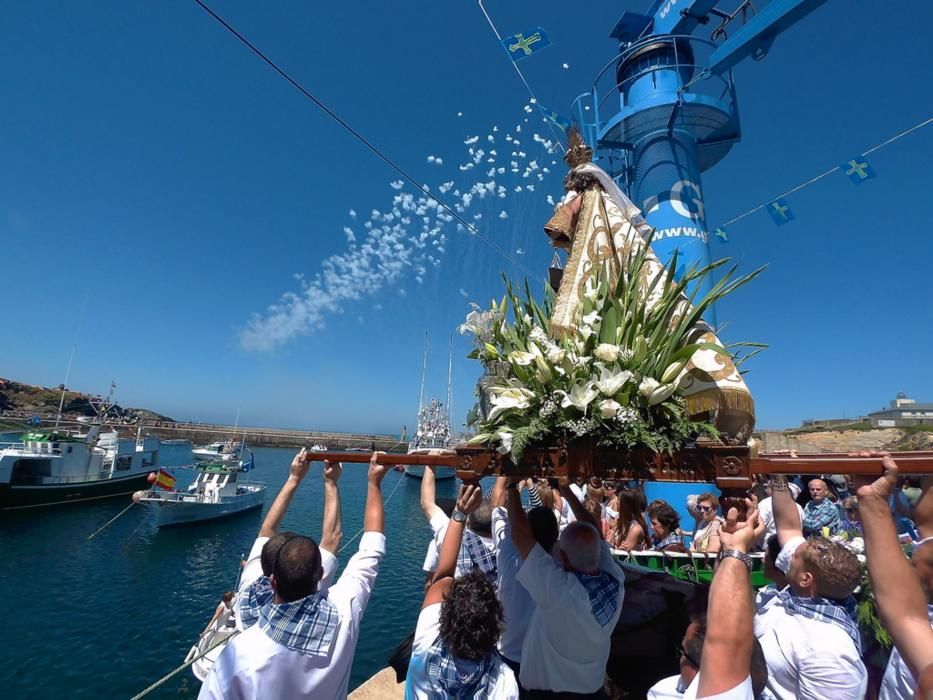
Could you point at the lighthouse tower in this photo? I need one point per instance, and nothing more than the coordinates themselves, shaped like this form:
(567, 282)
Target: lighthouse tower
(663, 110)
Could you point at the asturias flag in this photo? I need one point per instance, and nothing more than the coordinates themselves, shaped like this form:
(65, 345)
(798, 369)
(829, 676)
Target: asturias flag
(165, 480)
(523, 44)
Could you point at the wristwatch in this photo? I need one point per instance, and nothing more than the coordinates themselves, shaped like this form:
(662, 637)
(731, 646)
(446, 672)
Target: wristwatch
(458, 516)
(736, 554)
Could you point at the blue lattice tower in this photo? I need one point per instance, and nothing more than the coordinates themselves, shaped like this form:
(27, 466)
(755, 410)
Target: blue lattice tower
(663, 110)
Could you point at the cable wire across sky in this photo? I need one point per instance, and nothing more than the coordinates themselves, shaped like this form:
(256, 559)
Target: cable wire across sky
(366, 142)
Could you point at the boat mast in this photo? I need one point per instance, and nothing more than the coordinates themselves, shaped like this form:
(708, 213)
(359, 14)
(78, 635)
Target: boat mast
(424, 371)
(450, 386)
(71, 359)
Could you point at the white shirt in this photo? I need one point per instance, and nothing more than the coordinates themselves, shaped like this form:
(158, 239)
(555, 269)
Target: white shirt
(565, 648)
(253, 571)
(669, 689)
(766, 513)
(418, 686)
(517, 604)
(253, 666)
(899, 683)
(579, 491)
(807, 659)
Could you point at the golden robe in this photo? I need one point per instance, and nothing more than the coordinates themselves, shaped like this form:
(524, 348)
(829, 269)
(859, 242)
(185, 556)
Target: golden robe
(598, 231)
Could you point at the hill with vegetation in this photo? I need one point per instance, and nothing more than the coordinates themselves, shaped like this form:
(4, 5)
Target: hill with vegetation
(24, 400)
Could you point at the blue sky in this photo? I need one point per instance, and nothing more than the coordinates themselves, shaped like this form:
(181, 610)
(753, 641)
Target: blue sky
(152, 162)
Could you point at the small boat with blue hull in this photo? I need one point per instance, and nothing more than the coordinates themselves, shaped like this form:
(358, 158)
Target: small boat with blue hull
(47, 468)
(216, 492)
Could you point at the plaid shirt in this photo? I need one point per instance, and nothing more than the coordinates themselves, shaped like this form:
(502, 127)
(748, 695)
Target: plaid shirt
(306, 625)
(603, 591)
(835, 612)
(816, 516)
(476, 553)
(672, 538)
(457, 678)
(256, 596)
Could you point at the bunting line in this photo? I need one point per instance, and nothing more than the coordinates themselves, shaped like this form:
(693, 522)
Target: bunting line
(824, 174)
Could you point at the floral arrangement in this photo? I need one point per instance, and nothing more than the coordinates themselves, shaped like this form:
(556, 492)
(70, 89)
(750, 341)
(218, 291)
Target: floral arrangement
(614, 378)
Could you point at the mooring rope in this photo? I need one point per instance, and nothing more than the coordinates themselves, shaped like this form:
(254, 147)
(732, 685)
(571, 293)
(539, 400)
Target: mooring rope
(360, 531)
(181, 668)
(96, 532)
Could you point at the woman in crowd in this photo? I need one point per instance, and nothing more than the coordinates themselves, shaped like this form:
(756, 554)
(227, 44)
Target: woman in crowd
(709, 523)
(630, 532)
(664, 525)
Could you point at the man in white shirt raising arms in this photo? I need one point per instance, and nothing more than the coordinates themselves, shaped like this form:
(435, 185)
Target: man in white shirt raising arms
(254, 590)
(578, 599)
(808, 630)
(303, 644)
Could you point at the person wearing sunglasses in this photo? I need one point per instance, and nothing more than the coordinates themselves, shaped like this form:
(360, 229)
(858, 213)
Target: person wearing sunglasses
(708, 525)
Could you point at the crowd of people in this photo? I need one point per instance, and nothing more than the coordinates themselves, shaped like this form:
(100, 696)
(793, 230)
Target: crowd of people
(523, 592)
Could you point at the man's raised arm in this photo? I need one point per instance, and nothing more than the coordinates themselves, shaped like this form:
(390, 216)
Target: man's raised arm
(522, 536)
(429, 493)
(730, 634)
(374, 519)
(299, 469)
(332, 527)
(897, 590)
(786, 516)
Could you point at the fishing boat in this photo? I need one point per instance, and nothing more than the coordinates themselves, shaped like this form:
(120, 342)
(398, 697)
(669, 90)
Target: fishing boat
(432, 432)
(216, 492)
(211, 644)
(51, 467)
(222, 451)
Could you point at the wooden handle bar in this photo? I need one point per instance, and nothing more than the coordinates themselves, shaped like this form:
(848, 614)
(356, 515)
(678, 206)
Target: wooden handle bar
(445, 459)
(907, 462)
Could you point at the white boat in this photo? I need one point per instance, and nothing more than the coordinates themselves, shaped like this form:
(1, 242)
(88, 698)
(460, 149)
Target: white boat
(432, 432)
(50, 467)
(176, 441)
(216, 492)
(213, 642)
(224, 451)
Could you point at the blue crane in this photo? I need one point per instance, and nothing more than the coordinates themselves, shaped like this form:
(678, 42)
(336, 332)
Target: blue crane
(663, 110)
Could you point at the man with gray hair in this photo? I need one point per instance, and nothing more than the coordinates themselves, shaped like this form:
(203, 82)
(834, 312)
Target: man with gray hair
(578, 592)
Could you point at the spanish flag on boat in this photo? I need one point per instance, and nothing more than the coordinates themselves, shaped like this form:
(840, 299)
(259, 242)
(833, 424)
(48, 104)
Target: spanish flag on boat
(165, 480)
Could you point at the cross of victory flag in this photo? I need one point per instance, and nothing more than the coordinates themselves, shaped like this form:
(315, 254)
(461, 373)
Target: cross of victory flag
(524, 44)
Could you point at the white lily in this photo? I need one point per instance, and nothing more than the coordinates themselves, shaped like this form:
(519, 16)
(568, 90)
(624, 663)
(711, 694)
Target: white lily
(607, 352)
(610, 382)
(518, 357)
(507, 398)
(580, 396)
(609, 408)
(505, 438)
(471, 324)
(662, 393)
(647, 386)
(555, 355)
(579, 360)
(591, 318)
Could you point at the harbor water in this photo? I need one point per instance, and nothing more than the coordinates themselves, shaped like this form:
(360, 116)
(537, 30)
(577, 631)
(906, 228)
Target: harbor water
(106, 617)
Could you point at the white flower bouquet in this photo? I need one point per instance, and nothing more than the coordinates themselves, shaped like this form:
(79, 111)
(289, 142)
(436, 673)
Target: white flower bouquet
(614, 378)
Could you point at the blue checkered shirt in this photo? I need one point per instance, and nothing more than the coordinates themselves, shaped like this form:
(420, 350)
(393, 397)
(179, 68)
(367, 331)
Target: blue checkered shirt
(672, 538)
(457, 678)
(256, 596)
(307, 625)
(835, 612)
(476, 554)
(603, 591)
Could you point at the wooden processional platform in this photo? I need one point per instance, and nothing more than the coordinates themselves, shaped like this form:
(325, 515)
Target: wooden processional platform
(731, 467)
